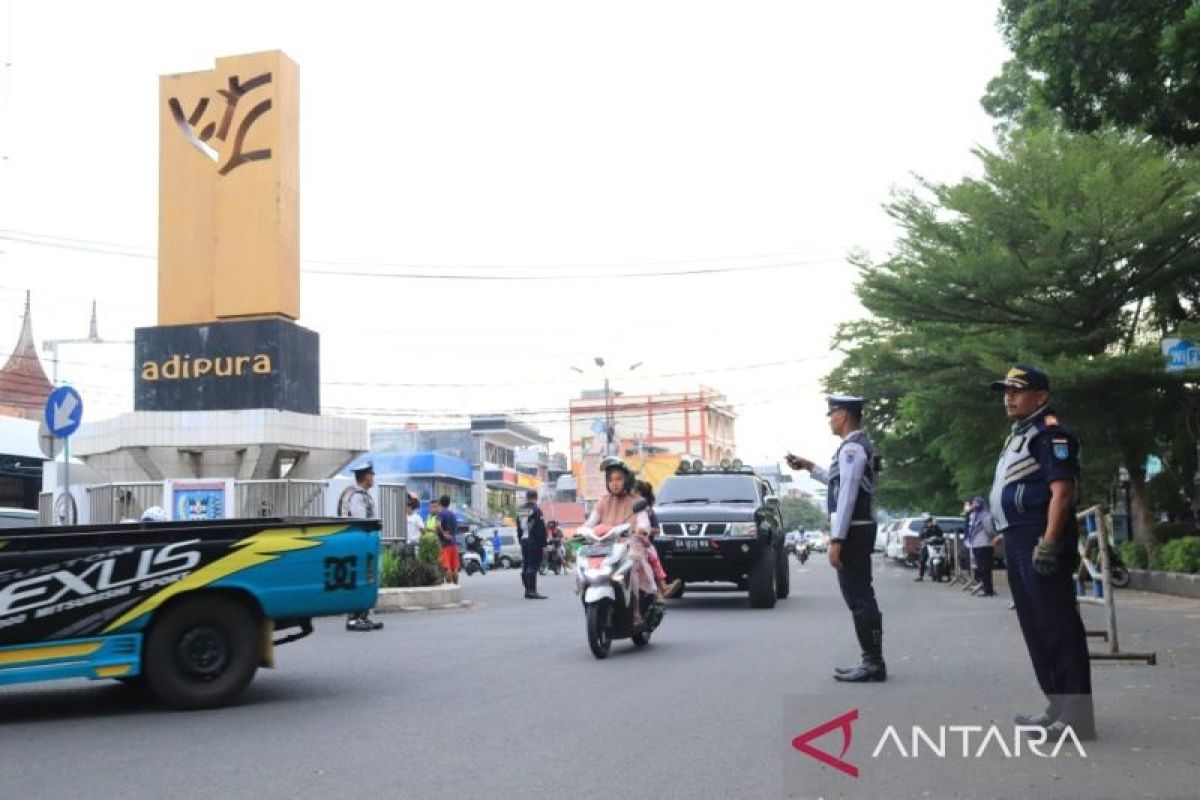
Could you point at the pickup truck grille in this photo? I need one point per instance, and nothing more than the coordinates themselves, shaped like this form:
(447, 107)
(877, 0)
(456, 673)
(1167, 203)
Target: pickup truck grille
(695, 528)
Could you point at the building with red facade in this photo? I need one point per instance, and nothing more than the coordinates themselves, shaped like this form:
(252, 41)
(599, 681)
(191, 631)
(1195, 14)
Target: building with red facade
(641, 428)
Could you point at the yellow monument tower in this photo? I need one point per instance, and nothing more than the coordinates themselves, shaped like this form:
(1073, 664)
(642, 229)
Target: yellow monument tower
(227, 384)
(228, 191)
(228, 245)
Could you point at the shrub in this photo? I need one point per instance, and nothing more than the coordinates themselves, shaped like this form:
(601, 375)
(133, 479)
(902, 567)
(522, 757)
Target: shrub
(1165, 532)
(389, 568)
(424, 570)
(1180, 555)
(1135, 555)
(429, 549)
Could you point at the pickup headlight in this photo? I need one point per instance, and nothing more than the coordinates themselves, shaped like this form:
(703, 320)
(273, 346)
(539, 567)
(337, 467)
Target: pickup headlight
(743, 529)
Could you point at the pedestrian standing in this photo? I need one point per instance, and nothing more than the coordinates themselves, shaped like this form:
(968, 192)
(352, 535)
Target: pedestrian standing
(979, 538)
(447, 527)
(431, 522)
(356, 502)
(851, 482)
(533, 543)
(1033, 507)
(414, 527)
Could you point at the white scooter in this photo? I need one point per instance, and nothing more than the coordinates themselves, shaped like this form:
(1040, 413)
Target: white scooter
(602, 573)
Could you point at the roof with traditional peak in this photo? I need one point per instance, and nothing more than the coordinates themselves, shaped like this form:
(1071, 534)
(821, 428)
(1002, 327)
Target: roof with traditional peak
(24, 386)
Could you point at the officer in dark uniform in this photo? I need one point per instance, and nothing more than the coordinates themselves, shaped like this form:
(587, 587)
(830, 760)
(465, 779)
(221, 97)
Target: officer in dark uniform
(1033, 506)
(851, 482)
(533, 544)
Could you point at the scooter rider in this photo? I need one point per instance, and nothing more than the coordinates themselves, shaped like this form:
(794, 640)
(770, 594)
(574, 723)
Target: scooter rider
(616, 508)
(555, 550)
(930, 534)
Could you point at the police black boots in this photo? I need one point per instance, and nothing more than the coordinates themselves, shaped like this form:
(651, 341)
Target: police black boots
(870, 637)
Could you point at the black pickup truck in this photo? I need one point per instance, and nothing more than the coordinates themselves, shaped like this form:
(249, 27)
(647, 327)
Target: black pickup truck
(722, 524)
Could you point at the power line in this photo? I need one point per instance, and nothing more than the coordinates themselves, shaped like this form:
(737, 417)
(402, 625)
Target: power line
(413, 271)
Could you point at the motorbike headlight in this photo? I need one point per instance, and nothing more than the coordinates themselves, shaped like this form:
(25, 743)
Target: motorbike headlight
(743, 529)
(601, 573)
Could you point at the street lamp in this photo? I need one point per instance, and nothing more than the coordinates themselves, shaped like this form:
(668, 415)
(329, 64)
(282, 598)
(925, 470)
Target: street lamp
(609, 410)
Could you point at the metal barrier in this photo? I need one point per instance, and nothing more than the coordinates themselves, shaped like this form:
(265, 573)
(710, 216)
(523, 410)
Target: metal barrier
(1094, 520)
(393, 512)
(45, 508)
(280, 498)
(113, 502)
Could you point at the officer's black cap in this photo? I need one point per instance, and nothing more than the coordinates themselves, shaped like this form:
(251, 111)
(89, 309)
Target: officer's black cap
(852, 404)
(1023, 376)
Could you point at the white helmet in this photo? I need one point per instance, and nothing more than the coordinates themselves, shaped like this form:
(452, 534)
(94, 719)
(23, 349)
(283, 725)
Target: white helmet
(154, 514)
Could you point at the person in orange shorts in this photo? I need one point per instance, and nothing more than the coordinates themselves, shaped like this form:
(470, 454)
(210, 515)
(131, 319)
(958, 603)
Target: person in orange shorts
(447, 528)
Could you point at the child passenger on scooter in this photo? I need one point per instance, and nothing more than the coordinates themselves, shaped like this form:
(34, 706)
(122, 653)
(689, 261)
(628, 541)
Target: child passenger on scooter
(643, 490)
(616, 508)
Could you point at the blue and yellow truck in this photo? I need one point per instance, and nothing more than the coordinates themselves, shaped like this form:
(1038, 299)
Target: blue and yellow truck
(190, 610)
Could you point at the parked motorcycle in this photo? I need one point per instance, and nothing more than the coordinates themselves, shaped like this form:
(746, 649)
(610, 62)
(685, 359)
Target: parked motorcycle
(602, 577)
(1118, 572)
(939, 562)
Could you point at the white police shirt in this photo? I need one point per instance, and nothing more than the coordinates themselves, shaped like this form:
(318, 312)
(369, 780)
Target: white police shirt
(845, 475)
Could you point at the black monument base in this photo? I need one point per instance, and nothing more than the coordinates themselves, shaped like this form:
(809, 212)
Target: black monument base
(223, 366)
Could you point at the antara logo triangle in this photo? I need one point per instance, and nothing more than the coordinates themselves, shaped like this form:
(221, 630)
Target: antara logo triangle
(844, 722)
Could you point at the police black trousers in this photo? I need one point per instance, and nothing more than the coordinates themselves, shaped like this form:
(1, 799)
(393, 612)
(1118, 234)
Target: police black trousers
(1050, 621)
(531, 561)
(854, 578)
(983, 567)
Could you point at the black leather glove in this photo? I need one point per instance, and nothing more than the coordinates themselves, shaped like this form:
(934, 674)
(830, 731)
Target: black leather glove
(1046, 557)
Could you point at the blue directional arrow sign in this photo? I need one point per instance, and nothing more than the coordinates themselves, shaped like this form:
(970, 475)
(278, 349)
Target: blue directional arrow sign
(64, 411)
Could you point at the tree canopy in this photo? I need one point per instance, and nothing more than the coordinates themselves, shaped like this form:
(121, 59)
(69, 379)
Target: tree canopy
(1098, 63)
(1075, 252)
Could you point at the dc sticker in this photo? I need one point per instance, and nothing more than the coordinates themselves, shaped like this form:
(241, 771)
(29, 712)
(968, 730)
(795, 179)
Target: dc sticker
(1061, 449)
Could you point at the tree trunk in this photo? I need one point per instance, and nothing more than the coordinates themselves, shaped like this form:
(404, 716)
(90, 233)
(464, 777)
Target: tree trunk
(1143, 519)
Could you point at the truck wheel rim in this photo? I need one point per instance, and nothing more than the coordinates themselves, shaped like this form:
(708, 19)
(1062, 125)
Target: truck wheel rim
(203, 652)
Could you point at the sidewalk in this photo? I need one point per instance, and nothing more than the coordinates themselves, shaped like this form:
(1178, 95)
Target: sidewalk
(1148, 717)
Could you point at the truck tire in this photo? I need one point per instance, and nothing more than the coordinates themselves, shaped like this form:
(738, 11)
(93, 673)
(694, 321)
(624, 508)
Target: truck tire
(505, 562)
(201, 652)
(762, 580)
(783, 576)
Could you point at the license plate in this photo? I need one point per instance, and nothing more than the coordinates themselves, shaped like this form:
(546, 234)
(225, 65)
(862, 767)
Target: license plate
(691, 544)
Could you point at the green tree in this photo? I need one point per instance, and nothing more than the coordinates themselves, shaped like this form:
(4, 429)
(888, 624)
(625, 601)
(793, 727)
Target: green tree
(802, 514)
(1075, 252)
(1097, 63)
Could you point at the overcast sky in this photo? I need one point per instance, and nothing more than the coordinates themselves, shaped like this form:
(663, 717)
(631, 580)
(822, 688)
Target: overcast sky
(572, 143)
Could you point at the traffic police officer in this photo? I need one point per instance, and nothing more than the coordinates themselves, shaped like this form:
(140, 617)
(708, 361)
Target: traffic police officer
(851, 482)
(356, 501)
(1033, 506)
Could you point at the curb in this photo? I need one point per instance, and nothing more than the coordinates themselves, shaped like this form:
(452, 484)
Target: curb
(420, 598)
(1176, 583)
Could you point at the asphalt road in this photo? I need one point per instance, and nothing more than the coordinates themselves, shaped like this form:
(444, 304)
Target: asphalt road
(504, 700)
